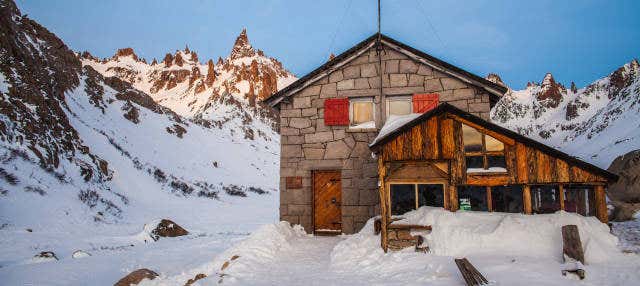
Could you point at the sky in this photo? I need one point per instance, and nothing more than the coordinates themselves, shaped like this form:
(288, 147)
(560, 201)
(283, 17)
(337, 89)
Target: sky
(578, 41)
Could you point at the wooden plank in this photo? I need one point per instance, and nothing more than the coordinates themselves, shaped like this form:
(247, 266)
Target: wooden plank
(561, 190)
(448, 143)
(601, 204)
(409, 226)
(488, 180)
(531, 165)
(453, 198)
(489, 199)
(432, 137)
(562, 171)
(416, 142)
(458, 171)
(526, 199)
(470, 274)
(543, 168)
(384, 206)
(521, 163)
(572, 251)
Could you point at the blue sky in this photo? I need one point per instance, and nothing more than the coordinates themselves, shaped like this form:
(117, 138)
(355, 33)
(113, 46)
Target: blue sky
(521, 41)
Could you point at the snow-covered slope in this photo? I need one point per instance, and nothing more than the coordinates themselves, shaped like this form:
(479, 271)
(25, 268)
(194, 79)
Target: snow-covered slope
(227, 92)
(597, 123)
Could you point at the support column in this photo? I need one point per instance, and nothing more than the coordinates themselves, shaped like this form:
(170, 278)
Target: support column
(385, 215)
(453, 195)
(489, 199)
(526, 198)
(601, 204)
(561, 196)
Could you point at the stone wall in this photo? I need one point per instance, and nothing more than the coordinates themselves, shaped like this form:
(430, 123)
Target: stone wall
(307, 144)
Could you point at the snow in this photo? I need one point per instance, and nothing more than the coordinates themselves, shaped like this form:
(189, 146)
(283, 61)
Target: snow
(394, 122)
(490, 170)
(364, 125)
(509, 249)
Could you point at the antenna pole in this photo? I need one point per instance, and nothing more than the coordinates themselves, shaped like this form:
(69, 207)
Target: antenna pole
(382, 106)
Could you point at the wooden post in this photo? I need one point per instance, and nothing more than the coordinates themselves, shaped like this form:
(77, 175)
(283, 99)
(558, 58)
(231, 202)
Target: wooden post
(601, 204)
(561, 189)
(526, 198)
(489, 200)
(384, 208)
(453, 195)
(572, 250)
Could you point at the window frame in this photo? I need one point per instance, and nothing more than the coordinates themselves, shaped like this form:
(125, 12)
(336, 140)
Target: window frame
(415, 189)
(388, 99)
(361, 99)
(484, 153)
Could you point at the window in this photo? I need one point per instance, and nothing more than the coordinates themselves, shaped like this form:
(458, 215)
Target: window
(399, 105)
(545, 199)
(580, 199)
(361, 113)
(472, 198)
(507, 199)
(408, 197)
(483, 153)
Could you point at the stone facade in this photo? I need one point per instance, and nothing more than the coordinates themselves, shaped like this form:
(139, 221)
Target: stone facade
(307, 144)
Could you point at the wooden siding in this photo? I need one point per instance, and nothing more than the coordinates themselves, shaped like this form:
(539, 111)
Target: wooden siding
(440, 138)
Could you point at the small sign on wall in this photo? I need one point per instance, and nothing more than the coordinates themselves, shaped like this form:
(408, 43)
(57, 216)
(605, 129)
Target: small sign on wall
(294, 182)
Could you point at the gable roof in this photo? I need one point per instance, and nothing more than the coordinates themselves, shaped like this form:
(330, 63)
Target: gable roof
(448, 108)
(495, 90)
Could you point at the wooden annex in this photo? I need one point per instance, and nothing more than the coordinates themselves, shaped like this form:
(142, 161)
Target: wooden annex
(431, 150)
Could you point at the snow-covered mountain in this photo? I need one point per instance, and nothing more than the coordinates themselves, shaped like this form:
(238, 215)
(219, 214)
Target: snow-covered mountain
(78, 144)
(597, 123)
(226, 93)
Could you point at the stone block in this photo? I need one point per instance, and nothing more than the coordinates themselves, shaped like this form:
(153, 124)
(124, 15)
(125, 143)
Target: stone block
(464, 93)
(284, 122)
(408, 66)
(350, 196)
(403, 90)
(308, 130)
(391, 66)
(319, 137)
(338, 134)
(364, 58)
(299, 209)
(389, 54)
(293, 139)
(346, 84)
(287, 131)
(358, 92)
(305, 222)
(460, 104)
(397, 80)
(416, 80)
(424, 70)
(299, 122)
(283, 210)
(313, 153)
(292, 219)
(310, 111)
(432, 85)
(369, 70)
(374, 82)
(328, 90)
(351, 72)
(336, 76)
(288, 151)
(317, 102)
(452, 83)
(337, 150)
(479, 107)
(361, 83)
(361, 150)
(301, 102)
(347, 225)
(290, 113)
(310, 91)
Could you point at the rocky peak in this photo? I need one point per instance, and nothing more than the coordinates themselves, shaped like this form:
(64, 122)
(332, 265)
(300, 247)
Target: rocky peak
(550, 93)
(125, 52)
(242, 47)
(624, 76)
(492, 77)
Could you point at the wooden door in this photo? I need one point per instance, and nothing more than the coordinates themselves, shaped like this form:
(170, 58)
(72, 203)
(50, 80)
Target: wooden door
(327, 199)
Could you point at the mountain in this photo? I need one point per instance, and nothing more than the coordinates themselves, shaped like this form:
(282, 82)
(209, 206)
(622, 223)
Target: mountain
(597, 123)
(84, 140)
(227, 92)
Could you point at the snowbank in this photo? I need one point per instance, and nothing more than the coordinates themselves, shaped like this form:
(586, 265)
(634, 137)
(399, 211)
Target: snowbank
(476, 233)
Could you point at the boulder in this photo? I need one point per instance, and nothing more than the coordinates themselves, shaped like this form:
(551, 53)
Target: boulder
(627, 188)
(166, 228)
(624, 211)
(80, 254)
(45, 256)
(136, 277)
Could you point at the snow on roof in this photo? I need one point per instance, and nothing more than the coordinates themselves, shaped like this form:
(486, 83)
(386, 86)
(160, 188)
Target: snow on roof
(394, 122)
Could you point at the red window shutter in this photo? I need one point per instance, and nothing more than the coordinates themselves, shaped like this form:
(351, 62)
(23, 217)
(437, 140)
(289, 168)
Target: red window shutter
(425, 102)
(336, 111)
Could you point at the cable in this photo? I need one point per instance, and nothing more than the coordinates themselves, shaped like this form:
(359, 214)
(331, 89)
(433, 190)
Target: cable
(335, 33)
(430, 24)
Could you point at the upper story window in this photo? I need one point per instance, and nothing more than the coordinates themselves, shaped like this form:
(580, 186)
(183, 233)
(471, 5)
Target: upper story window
(361, 113)
(399, 105)
(483, 153)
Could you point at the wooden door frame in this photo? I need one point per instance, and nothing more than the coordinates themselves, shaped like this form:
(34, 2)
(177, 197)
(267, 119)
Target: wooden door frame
(313, 197)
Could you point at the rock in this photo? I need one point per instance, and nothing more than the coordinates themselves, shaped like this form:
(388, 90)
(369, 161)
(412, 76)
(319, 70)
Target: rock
(167, 228)
(624, 211)
(136, 277)
(627, 188)
(80, 254)
(194, 279)
(45, 256)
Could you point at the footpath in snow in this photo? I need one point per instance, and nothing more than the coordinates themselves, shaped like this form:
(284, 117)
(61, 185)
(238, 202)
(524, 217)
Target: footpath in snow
(509, 249)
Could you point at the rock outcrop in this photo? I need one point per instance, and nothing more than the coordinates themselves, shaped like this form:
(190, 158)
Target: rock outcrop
(135, 277)
(627, 188)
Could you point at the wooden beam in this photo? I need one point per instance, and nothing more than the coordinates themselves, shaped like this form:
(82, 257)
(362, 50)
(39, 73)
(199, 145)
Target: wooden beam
(526, 198)
(561, 189)
(601, 204)
(453, 195)
(489, 199)
(384, 209)
(502, 138)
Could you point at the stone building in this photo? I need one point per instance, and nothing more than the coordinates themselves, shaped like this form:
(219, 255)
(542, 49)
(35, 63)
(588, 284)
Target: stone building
(328, 118)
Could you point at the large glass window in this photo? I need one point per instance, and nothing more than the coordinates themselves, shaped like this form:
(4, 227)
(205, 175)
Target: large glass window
(507, 199)
(399, 105)
(472, 198)
(361, 113)
(545, 199)
(483, 153)
(430, 195)
(580, 199)
(408, 197)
